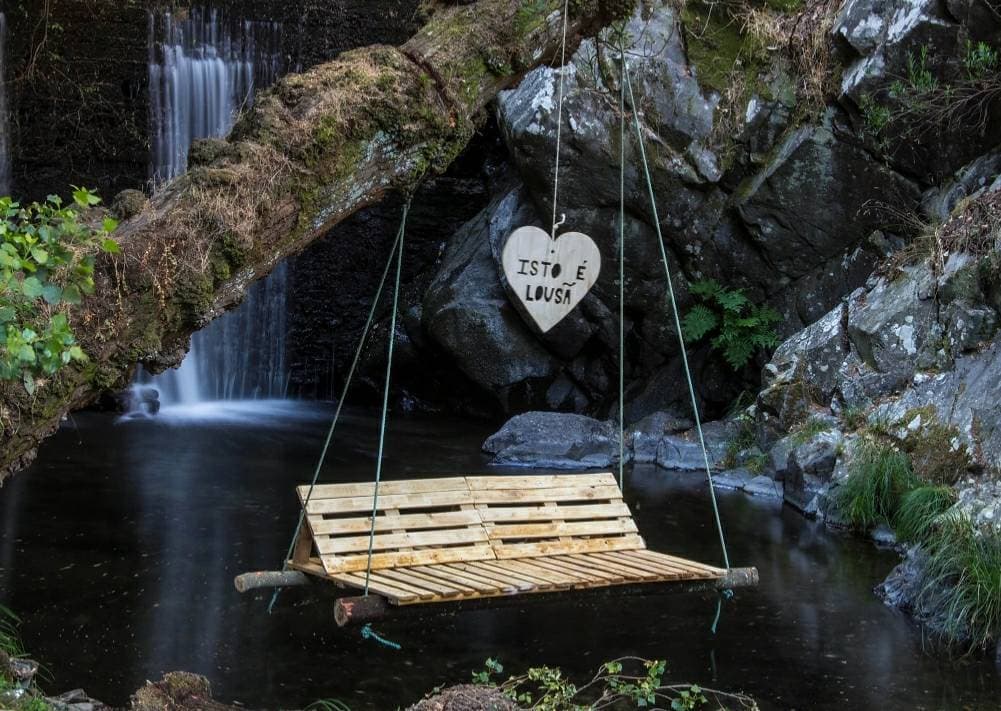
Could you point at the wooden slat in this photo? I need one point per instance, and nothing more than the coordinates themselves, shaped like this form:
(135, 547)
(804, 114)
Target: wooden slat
(403, 559)
(363, 504)
(563, 493)
(555, 529)
(416, 521)
(541, 481)
(395, 594)
(671, 571)
(505, 587)
(665, 558)
(587, 573)
(544, 548)
(387, 541)
(546, 513)
(525, 567)
(386, 488)
(529, 574)
(626, 571)
(449, 576)
(410, 576)
(483, 568)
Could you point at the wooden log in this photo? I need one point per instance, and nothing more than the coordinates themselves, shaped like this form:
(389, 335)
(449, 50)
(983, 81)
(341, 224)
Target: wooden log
(270, 579)
(312, 150)
(360, 609)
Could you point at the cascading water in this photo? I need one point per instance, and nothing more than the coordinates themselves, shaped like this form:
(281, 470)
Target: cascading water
(5, 163)
(204, 69)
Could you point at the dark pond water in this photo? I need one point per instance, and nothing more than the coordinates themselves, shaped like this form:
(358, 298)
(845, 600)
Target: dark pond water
(119, 548)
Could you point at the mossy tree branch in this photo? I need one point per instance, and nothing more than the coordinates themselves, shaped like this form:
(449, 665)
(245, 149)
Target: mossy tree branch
(315, 148)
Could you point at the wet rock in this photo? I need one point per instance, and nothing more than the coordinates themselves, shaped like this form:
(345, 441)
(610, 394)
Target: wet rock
(794, 227)
(810, 467)
(894, 325)
(683, 452)
(645, 436)
(764, 486)
(467, 313)
(907, 588)
(554, 440)
(883, 535)
(75, 700)
(467, 697)
(733, 479)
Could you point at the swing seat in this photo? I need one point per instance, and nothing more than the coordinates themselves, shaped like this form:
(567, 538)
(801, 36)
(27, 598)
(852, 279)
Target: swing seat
(459, 538)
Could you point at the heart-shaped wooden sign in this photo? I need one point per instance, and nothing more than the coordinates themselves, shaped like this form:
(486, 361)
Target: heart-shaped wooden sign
(550, 277)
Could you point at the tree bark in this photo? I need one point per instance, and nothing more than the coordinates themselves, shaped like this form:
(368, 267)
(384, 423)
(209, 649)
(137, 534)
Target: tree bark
(315, 148)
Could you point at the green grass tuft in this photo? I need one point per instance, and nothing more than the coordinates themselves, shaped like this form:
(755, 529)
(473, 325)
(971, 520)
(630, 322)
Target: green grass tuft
(919, 511)
(963, 582)
(878, 478)
(10, 643)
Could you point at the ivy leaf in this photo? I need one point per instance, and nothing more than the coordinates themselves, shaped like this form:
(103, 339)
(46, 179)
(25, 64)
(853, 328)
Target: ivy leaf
(31, 287)
(29, 383)
(76, 353)
(7, 314)
(84, 197)
(110, 246)
(40, 255)
(71, 294)
(110, 225)
(26, 354)
(52, 294)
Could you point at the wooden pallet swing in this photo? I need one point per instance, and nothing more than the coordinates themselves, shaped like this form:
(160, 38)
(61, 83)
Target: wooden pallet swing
(466, 539)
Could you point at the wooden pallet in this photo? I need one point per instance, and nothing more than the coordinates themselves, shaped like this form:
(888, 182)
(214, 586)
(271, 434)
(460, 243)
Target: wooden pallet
(462, 538)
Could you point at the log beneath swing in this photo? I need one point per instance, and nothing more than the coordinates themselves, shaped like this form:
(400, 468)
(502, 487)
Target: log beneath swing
(246, 582)
(354, 610)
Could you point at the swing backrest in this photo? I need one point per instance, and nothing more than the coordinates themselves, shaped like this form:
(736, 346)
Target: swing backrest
(457, 519)
(528, 516)
(418, 522)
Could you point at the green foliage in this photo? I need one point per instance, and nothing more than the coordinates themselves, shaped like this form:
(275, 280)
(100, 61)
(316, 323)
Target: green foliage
(963, 582)
(876, 116)
(920, 79)
(919, 511)
(328, 705)
(980, 60)
(736, 326)
(809, 429)
(853, 418)
(491, 668)
(10, 642)
(879, 476)
(47, 258)
(546, 689)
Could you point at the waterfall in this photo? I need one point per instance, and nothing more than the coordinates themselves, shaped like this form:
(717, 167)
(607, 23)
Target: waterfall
(203, 70)
(5, 160)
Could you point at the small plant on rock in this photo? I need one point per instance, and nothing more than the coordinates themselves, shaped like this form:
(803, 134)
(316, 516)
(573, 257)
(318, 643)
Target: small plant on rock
(919, 512)
(733, 324)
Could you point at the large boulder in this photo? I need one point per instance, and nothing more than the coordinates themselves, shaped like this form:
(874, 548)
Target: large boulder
(553, 440)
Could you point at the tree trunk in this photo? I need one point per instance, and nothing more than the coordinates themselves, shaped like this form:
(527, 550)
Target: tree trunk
(314, 149)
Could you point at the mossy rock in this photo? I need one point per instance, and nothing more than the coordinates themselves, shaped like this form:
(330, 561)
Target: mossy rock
(129, 203)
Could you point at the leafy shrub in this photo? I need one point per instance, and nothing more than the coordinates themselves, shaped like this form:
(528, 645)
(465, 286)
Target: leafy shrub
(47, 258)
(10, 643)
(735, 326)
(878, 477)
(546, 689)
(963, 582)
(919, 511)
(980, 61)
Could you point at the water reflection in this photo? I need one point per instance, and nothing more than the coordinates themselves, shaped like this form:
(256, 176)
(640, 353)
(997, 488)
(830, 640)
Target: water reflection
(119, 548)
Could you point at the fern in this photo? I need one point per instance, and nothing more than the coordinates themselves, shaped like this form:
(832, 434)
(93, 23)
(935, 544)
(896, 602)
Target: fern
(736, 327)
(699, 321)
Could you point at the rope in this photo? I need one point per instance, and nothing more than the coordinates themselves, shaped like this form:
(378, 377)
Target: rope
(385, 392)
(622, 273)
(368, 633)
(559, 119)
(337, 412)
(674, 309)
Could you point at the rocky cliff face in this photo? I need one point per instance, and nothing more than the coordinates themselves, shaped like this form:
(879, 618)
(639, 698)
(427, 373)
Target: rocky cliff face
(786, 147)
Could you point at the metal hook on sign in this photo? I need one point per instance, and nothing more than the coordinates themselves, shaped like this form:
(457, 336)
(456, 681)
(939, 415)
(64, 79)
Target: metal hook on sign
(559, 223)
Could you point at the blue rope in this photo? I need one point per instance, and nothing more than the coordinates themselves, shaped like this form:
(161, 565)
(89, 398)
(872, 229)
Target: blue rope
(385, 393)
(622, 274)
(368, 633)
